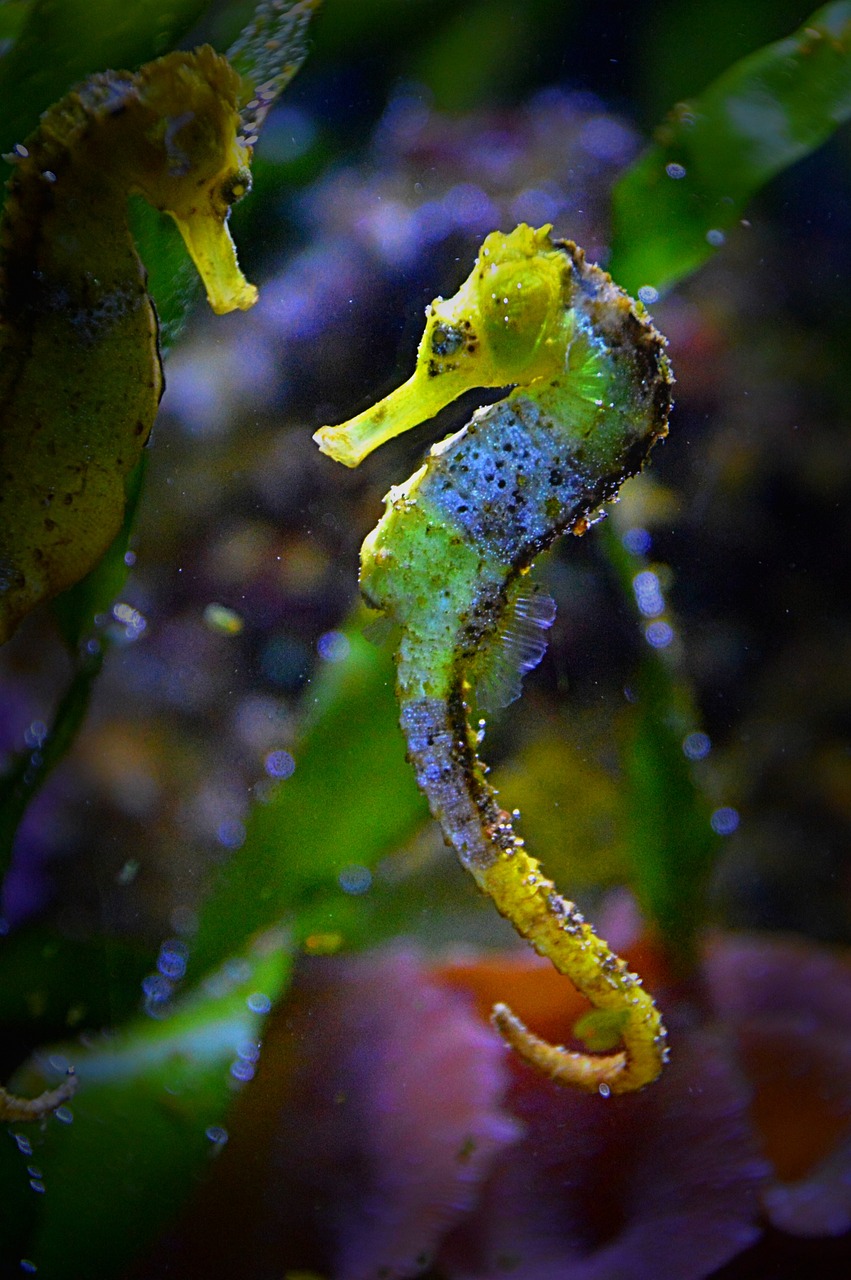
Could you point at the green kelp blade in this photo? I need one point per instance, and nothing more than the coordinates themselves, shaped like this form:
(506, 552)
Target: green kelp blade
(674, 206)
(670, 843)
(150, 1110)
(351, 799)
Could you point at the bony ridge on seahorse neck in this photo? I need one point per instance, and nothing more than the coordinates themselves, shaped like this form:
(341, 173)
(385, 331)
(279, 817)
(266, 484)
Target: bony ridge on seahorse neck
(80, 374)
(449, 557)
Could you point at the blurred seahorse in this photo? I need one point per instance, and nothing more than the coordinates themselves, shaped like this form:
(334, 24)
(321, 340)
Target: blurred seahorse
(80, 374)
(449, 558)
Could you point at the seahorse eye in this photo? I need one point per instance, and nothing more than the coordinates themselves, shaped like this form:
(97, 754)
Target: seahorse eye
(446, 340)
(236, 186)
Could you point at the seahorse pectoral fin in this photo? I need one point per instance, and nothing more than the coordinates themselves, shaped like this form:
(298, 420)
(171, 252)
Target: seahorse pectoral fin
(208, 240)
(516, 647)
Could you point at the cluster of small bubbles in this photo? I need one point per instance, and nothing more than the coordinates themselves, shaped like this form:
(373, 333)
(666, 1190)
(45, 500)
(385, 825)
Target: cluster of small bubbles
(130, 622)
(355, 879)
(648, 295)
(696, 745)
(333, 646)
(715, 237)
(675, 170)
(259, 1002)
(64, 1115)
(648, 593)
(480, 732)
(216, 1134)
(637, 541)
(279, 764)
(231, 833)
(23, 1144)
(244, 1064)
(724, 821)
(659, 634)
(36, 1179)
(171, 962)
(35, 733)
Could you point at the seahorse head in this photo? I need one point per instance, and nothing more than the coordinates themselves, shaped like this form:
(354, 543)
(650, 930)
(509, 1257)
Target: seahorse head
(508, 325)
(506, 322)
(193, 163)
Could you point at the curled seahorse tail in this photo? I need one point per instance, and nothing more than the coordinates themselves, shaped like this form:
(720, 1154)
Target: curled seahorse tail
(441, 748)
(557, 930)
(15, 1110)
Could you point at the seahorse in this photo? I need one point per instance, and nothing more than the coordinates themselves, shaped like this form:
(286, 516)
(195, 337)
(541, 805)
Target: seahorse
(80, 372)
(449, 562)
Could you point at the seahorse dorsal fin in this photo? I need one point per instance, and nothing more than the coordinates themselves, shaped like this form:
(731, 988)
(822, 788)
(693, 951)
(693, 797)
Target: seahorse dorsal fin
(517, 647)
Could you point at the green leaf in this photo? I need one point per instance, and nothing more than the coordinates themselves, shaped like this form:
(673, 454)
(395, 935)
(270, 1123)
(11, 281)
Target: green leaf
(147, 1103)
(351, 799)
(672, 845)
(676, 203)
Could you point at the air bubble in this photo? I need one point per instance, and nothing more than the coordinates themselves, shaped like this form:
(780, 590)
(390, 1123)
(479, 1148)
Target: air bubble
(675, 170)
(279, 764)
(259, 1002)
(355, 879)
(648, 593)
(696, 745)
(659, 634)
(242, 1071)
(333, 646)
(637, 540)
(724, 821)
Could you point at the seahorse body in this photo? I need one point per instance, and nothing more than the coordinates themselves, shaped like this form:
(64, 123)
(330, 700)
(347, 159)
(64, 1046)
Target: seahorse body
(448, 558)
(80, 374)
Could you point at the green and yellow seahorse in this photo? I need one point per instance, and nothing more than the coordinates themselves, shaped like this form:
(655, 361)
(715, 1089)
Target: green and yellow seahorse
(80, 374)
(449, 560)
